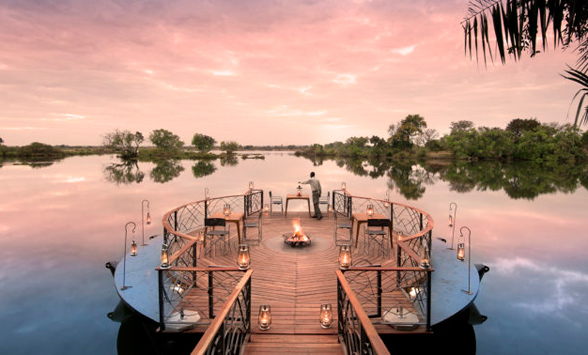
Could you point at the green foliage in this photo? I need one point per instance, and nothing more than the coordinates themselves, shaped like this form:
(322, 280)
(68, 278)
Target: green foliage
(462, 125)
(166, 140)
(38, 150)
(402, 136)
(202, 142)
(229, 147)
(124, 143)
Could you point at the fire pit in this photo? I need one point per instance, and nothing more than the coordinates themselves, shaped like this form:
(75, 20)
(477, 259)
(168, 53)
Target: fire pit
(298, 238)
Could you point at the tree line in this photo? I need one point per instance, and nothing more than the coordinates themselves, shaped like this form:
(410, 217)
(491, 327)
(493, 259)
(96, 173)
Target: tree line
(521, 140)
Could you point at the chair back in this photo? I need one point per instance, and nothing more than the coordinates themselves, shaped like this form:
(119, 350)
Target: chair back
(215, 222)
(378, 222)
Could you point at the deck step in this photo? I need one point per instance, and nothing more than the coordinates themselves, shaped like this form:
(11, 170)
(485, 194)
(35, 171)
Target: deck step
(288, 343)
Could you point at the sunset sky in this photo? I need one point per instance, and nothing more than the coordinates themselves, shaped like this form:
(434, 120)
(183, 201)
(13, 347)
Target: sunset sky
(257, 71)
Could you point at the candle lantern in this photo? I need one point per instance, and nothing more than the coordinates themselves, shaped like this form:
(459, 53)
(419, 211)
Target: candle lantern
(343, 185)
(250, 185)
(265, 317)
(164, 257)
(326, 315)
(243, 257)
(266, 208)
(370, 210)
(344, 257)
(133, 248)
(227, 209)
(299, 190)
(461, 251)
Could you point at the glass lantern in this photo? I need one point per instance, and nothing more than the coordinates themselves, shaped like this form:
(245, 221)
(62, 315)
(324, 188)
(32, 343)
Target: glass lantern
(243, 257)
(326, 315)
(344, 257)
(265, 317)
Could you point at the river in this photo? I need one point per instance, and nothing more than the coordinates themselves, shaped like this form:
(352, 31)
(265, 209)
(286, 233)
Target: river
(61, 222)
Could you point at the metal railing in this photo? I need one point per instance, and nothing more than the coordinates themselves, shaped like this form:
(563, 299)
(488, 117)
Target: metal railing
(355, 328)
(388, 295)
(185, 288)
(230, 330)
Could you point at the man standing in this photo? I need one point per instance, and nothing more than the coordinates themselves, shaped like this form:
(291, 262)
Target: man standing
(315, 186)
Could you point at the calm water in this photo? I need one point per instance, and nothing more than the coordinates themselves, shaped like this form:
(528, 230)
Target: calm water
(60, 223)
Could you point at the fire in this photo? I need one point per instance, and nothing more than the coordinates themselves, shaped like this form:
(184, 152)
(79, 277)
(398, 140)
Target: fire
(297, 238)
(297, 228)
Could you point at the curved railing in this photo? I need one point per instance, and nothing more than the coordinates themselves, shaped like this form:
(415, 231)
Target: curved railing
(398, 296)
(230, 330)
(183, 287)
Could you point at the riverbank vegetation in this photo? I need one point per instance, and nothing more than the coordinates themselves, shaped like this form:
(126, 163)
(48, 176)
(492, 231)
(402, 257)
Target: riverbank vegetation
(520, 140)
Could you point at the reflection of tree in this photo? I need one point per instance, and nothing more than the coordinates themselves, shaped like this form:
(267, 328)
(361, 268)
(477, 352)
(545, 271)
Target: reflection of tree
(229, 160)
(126, 172)
(203, 168)
(518, 180)
(409, 182)
(166, 170)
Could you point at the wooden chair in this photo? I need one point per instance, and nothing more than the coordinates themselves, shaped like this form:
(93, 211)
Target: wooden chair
(376, 230)
(218, 232)
(276, 200)
(253, 222)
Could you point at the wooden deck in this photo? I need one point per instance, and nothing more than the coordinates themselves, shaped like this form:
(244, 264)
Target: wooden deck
(294, 281)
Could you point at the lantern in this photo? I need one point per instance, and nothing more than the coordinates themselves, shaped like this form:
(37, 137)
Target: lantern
(164, 257)
(326, 315)
(299, 190)
(461, 251)
(250, 185)
(370, 210)
(227, 209)
(344, 257)
(133, 248)
(266, 208)
(265, 317)
(343, 185)
(243, 258)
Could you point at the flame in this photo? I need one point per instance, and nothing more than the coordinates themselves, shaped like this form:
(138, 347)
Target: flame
(297, 228)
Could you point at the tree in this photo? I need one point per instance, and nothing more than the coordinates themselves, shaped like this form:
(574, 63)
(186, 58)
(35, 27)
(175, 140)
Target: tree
(519, 125)
(402, 135)
(124, 143)
(1, 140)
(230, 147)
(202, 142)
(166, 140)
(461, 125)
(523, 25)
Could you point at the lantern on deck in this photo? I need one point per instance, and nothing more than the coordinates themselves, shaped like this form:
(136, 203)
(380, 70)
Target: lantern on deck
(326, 315)
(133, 248)
(299, 190)
(164, 257)
(227, 209)
(265, 317)
(243, 257)
(344, 257)
(370, 210)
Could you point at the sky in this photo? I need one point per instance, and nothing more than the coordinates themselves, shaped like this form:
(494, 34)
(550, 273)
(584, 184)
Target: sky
(258, 72)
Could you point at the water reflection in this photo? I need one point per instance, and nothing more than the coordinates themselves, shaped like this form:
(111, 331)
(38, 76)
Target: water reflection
(166, 170)
(203, 168)
(124, 172)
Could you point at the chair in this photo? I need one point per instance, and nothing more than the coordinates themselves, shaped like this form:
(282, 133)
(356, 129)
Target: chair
(375, 230)
(345, 223)
(252, 222)
(217, 230)
(325, 200)
(276, 200)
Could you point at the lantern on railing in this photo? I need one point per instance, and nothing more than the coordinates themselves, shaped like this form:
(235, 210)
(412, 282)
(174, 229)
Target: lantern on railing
(243, 257)
(343, 186)
(265, 317)
(370, 210)
(133, 248)
(326, 315)
(164, 257)
(250, 185)
(344, 257)
(227, 209)
(299, 190)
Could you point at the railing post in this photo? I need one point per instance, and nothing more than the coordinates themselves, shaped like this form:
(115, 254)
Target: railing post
(379, 275)
(210, 296)
(340, 318)
(429, 301)
(161, 303)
